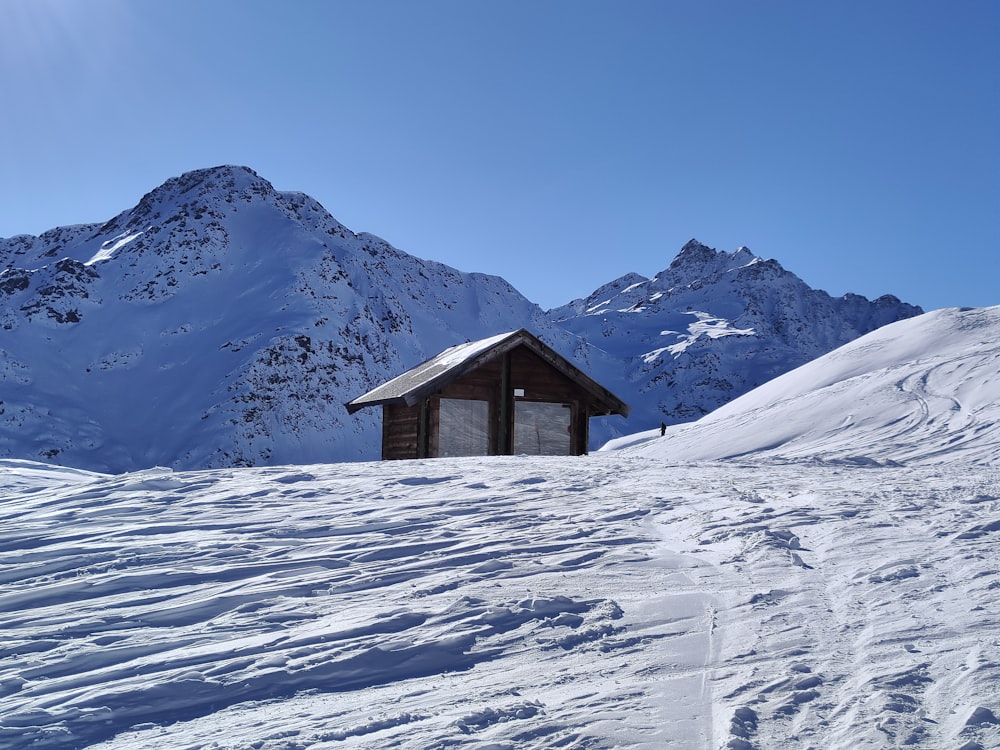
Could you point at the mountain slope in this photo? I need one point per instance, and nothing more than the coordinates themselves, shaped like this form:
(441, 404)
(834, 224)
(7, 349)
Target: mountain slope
(925, 389)
(714, 325)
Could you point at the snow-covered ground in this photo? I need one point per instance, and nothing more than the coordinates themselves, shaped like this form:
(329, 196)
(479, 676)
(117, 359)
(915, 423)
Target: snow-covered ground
(632, 598)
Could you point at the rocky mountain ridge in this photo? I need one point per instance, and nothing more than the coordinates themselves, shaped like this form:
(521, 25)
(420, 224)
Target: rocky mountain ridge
(714, 325)
(222, 322)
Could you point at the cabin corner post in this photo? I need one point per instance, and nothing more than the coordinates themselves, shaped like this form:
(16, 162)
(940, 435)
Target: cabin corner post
(582, 429)
(506, 416)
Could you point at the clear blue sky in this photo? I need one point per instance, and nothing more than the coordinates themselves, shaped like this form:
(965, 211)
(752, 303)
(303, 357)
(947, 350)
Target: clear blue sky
(556, 143)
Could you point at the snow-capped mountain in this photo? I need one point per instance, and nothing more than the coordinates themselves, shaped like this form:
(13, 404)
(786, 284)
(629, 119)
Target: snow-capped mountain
(714, 325)
(811, 592)
(221, 322)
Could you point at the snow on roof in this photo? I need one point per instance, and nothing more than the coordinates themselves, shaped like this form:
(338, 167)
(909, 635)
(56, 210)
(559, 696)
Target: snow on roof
(427, 372)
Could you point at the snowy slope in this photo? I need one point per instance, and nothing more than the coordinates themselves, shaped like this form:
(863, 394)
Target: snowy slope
(926, 389)
(625, 599)
(712, 326)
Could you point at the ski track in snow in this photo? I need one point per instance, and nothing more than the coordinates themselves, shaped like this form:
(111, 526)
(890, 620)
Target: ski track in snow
(606, 601)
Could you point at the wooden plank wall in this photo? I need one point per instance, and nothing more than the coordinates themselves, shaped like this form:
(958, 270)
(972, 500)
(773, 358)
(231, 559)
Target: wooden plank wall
(540, 380)
(399, 431)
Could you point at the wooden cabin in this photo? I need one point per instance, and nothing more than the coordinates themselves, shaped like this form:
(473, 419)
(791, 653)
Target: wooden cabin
(506, 395)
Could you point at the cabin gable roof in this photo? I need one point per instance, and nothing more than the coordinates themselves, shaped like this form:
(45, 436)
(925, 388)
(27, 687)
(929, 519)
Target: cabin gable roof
(430, 376)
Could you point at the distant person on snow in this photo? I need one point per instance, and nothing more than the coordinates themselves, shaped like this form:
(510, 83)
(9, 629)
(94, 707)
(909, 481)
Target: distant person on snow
(663, 429)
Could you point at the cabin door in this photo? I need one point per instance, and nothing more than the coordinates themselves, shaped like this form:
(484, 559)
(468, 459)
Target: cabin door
(464, 427)
(542, 428)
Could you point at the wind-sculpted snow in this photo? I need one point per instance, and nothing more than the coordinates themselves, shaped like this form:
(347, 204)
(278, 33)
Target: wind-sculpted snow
(595, 602)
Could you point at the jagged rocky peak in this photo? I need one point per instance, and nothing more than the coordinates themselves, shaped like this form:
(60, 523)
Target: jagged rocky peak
(695, 265)
(199, 194)
(696, 261)
(216, 191)
(227, 182)
(195, 190)
(693, 253)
